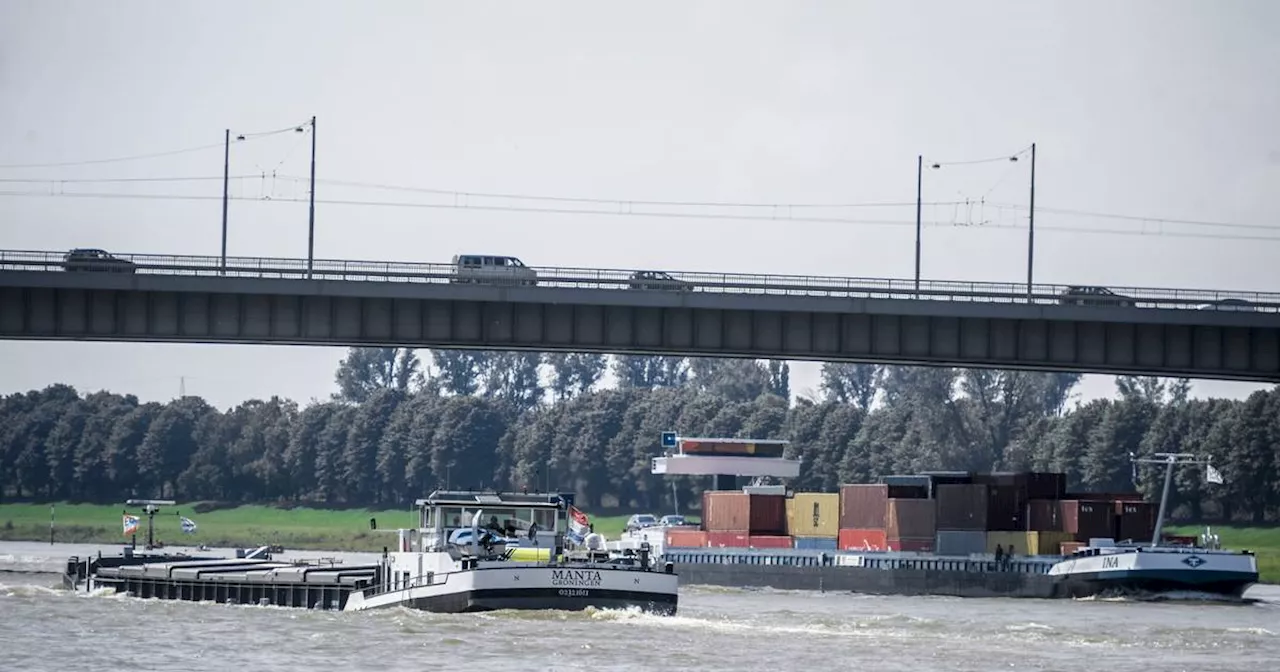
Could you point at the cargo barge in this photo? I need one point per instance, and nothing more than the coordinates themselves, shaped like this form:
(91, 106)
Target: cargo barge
(954, 534)
(472, 551)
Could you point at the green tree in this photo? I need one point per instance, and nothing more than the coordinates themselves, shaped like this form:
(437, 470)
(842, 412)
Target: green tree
(365, 371)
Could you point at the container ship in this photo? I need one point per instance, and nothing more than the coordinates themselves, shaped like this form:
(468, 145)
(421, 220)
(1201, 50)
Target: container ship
(950, 533)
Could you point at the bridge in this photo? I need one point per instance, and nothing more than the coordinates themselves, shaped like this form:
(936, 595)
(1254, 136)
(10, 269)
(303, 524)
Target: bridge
(195, 299)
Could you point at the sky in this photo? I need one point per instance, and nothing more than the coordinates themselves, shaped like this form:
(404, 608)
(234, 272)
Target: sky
(1160, 110)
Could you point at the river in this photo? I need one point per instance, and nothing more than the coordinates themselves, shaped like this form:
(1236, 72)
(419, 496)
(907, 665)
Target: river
(43, 628)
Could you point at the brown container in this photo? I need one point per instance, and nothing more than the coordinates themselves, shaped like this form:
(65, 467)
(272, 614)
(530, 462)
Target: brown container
(1135, 520)
(1006, 508)
(685, 537)
(733, 511)
(961, 507)
(1088, 519)
(863, 506)
(1046, 485)
(1069, 547)
(1044, 515)
(910, 519)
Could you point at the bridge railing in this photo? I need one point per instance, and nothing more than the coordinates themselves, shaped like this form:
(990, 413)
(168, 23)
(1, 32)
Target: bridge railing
(590, 278)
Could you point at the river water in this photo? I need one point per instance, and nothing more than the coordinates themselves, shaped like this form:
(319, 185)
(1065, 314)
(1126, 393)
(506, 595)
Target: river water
(43, 628)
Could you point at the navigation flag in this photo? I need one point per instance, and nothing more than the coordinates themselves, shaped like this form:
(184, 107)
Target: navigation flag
(130, 525)
(579, 525)
(1212, 475)
(188, 525)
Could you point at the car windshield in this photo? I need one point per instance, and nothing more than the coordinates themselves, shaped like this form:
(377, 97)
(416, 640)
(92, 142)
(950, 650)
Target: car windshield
(642, 519)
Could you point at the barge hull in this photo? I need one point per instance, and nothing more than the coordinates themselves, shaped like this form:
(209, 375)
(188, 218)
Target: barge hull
(495, 600)
(911, 582)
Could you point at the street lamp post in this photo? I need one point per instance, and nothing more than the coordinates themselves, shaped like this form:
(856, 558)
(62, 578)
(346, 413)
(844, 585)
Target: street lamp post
(1031, 224)
(226, 179)
(919, 181)
(311, 214)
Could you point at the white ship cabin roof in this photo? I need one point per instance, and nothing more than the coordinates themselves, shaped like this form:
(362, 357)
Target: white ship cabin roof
(512, 512)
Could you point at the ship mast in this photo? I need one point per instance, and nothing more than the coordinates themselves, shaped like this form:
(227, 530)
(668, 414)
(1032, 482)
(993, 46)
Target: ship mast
(1169, 460)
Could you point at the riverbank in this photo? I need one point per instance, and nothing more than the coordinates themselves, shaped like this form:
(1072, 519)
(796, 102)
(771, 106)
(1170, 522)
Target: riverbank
(242, 526)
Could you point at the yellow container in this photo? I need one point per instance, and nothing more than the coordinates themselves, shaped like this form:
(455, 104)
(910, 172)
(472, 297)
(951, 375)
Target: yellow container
(1047, 543)
(527, 554)
(814, 514)
(1005, 540)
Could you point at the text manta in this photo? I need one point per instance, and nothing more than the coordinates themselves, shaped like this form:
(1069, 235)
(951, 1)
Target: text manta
(575, 577)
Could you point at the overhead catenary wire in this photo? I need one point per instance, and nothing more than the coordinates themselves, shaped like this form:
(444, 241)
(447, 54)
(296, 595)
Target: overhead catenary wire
(152, 155)
(634, 213)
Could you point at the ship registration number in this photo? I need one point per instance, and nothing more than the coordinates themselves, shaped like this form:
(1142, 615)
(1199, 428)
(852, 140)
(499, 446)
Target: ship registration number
(574, 592)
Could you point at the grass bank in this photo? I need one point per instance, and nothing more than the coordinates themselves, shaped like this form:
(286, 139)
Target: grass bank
(243, 526)
(1263, 541)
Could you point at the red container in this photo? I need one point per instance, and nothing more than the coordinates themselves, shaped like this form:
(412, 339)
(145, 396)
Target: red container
(861, 540)
(862, 507)
(961, 507)
(685, 538)
(911, 519)
(1069, 547)
(1088, 519)
(727, 539)
(1044, 515)
(769, 542)
(1135, 520)
(916, 545)
(733, 511)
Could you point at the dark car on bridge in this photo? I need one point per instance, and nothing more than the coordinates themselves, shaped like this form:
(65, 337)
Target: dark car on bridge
(92, 259)
(1094, 296)
(658, 280)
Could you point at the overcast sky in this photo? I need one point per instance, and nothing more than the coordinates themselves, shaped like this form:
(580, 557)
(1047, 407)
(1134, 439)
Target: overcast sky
(1159, 109)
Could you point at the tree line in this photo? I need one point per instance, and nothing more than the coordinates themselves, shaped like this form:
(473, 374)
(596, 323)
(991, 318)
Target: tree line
(397, 429)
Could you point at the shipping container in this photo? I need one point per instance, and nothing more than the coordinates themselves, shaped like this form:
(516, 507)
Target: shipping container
(910, 519)
(910, 544)
(1046, 543)
(1044, 515)
(862, 507)
(768, 541)
(960, 542)
(733, 511)
(772, 449)
(727, 539)
(1002, 479)
(1069, 547)
(1006, 507)
(813, 514)
(961, 507)
(1135, 520)
(1006, 540)
(685, 537)
(1106, 496)
(862, 540)
(1046, 485)
(816, 543)
(937, 478)
(1087, 520)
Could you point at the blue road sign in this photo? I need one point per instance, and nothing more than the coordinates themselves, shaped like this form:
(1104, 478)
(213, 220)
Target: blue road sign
(668, 439)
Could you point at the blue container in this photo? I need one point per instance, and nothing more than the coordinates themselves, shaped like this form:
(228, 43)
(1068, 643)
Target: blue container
(816, 543)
